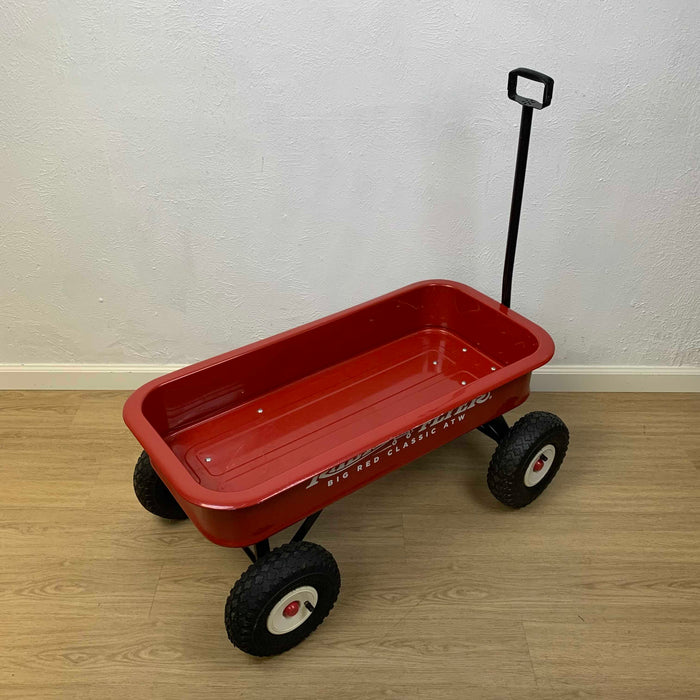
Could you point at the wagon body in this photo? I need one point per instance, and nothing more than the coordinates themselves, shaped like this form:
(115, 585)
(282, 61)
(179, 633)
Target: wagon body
(250, 442)
(256, 439)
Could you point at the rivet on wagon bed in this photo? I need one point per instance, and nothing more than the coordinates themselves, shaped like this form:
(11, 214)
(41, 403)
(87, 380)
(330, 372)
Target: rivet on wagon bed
(260, 410)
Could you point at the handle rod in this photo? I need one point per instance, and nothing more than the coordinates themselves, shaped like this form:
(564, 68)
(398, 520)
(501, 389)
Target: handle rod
(516, 203)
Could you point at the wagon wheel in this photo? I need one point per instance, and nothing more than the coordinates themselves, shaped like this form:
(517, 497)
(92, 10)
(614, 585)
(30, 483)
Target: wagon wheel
(152, 493)
(282, 598)
(527, 458)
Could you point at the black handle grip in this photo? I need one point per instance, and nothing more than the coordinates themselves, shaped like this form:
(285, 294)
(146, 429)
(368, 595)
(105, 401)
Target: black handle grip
(538, 78)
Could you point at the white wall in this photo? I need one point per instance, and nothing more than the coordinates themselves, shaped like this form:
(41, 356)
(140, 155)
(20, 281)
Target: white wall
(179, 178)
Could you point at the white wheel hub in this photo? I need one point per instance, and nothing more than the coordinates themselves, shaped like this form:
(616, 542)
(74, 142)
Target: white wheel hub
(292, 610)
(539, 466)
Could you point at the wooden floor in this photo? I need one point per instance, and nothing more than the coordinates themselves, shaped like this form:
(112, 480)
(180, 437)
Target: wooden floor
(591, 592)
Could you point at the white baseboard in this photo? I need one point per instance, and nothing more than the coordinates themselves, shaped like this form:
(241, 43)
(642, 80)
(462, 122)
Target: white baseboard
(550, 378)
(640, 378)
(80, 376)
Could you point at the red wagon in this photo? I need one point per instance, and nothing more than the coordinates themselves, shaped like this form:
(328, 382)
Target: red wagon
(252, 441)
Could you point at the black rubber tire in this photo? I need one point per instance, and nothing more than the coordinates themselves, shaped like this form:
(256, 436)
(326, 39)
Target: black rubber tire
(153, 494)
(266, 581)
(506, 476)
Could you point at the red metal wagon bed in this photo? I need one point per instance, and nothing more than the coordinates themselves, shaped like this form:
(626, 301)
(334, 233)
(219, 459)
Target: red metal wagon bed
(252, 441)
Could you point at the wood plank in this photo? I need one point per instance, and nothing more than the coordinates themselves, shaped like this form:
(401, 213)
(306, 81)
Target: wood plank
(592, 591)
(659, 660)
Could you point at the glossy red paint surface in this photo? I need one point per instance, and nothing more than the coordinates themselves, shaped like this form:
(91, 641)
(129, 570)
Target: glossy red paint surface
(239, 438)
(292, 609)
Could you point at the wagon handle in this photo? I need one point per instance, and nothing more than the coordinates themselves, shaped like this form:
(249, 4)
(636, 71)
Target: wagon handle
(530, 75)
(521, 163)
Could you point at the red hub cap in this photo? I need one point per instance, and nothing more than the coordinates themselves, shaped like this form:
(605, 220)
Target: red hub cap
(292, 609)
(538, 465)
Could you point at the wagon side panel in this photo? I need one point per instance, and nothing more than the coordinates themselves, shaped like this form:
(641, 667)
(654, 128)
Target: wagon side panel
(246, 526)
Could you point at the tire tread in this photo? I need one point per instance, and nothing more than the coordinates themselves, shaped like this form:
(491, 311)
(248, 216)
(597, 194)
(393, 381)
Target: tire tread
(504, 479)
(152, 493)
(262, 579)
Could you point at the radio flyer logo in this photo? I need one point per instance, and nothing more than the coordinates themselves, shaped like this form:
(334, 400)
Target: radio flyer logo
(374, 456)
